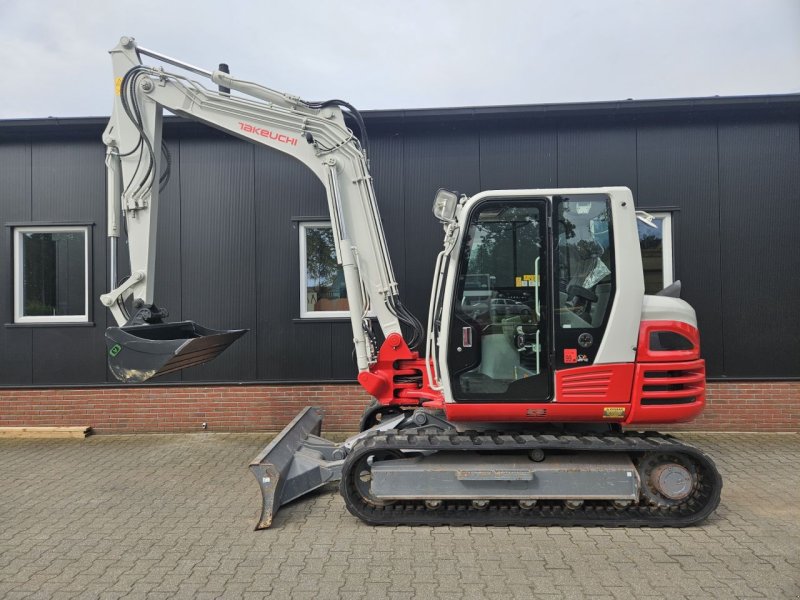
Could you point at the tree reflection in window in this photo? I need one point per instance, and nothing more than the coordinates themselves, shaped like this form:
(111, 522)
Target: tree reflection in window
(325, 286)
(504, 242)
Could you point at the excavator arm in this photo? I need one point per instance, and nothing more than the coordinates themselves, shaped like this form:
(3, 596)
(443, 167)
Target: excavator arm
(138, 166)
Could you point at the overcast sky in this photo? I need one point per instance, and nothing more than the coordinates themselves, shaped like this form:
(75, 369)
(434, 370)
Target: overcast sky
(409, 54)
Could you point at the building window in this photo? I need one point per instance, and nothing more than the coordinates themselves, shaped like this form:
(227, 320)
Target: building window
(51, 274)
(656, 244)
(322, 288)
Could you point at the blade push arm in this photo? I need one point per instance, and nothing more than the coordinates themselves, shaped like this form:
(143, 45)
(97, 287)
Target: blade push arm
(315, 134)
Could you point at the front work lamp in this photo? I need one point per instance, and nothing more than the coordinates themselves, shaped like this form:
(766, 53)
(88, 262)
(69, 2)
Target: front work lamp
(444, 205)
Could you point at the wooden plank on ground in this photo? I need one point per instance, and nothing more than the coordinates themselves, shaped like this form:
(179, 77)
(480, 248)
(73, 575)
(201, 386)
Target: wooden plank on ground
(45, 432)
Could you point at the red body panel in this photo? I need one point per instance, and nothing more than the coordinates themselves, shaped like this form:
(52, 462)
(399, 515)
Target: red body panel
(595, 383)
(686, 386)
(545, 412)
(387, 379)
(645, 354)
(663, 386)
(669, 385)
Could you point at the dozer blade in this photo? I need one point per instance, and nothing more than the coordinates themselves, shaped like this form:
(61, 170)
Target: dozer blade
(138, 352)
(296, 462)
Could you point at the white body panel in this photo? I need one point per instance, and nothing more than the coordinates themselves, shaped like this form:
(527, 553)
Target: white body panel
(665, 308)
(622, 331)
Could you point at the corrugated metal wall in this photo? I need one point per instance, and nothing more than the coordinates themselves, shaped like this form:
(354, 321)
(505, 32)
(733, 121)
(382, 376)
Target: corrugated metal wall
(228, 254)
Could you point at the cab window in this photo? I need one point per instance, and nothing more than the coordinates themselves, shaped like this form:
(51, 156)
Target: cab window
(585, 262)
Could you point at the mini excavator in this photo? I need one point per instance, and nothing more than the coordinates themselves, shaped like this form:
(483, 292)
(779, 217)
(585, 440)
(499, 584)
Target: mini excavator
(508, 406)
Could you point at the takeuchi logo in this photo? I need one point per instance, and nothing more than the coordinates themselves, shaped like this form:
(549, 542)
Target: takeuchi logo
(280, 137)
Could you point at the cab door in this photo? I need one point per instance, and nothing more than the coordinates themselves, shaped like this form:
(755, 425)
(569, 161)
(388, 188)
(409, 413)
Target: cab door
(498, 339)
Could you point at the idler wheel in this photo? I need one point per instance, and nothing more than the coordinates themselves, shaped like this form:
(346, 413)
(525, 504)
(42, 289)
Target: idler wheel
(672, 480)
(667, 480)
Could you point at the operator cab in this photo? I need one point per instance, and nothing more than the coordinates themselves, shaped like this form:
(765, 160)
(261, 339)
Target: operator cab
(532, 293)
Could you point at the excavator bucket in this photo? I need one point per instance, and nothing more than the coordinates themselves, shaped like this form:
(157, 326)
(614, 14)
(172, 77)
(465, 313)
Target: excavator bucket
(138, 352)
(296, 462)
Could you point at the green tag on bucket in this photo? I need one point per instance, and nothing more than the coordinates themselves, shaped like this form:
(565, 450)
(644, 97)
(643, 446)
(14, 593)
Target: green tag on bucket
(115, 349)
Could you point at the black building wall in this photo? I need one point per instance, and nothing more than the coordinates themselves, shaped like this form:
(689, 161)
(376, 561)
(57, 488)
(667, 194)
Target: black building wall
(228, 242)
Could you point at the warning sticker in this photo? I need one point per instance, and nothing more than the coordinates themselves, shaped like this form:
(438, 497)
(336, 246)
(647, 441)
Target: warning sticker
(570, 355)
(118, 86)
(531, 280)
(613, 412)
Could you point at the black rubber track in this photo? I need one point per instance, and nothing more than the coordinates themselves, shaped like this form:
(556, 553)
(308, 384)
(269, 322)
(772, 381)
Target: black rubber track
(697, 507)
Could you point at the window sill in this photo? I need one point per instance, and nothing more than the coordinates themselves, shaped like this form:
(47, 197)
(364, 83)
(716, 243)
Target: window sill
(328, 319)
(37, 325)
(322, 320)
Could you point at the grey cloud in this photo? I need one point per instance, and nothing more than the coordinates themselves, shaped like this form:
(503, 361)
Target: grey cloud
(410, 54)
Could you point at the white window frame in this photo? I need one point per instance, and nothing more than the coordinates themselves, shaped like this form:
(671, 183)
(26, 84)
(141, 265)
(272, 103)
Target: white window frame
(18, 275)
(304, 312)
(667, 269)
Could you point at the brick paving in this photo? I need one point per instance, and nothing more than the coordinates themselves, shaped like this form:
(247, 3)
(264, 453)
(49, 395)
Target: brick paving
(164, 516)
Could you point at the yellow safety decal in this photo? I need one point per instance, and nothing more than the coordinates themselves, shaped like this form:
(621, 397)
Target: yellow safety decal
(613, 412)
(526, 281)
(118, 86)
